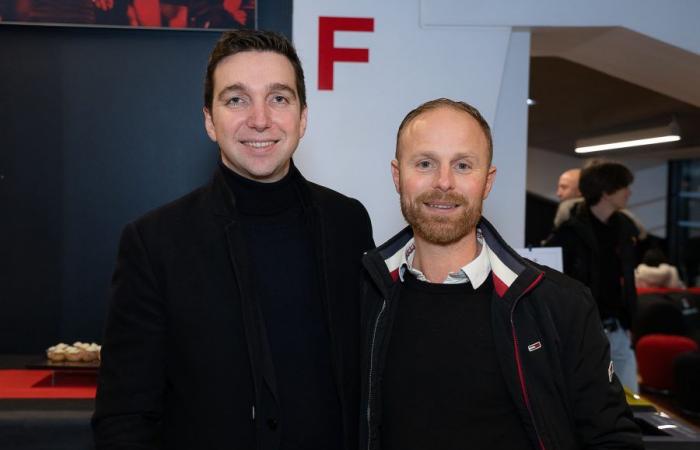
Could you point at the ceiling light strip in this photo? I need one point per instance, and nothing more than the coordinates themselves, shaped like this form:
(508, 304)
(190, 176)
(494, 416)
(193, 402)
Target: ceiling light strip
(627, 144)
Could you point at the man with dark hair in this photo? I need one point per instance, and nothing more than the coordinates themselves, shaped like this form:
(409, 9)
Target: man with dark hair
(598, 244)
(467, 344)
(246, 40)
(570, 197)
(233, 318)
(605, 178)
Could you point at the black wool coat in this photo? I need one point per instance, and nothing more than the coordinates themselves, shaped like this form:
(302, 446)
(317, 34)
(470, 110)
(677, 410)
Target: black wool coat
(185, 364)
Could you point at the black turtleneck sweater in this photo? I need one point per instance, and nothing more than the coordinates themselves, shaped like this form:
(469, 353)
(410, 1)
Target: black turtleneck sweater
(286, 285)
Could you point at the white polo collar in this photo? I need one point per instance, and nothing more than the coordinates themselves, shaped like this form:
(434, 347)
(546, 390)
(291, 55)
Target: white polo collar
(476, 271)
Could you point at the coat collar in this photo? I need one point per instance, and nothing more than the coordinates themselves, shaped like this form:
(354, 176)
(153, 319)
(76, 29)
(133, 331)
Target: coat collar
(512, 274)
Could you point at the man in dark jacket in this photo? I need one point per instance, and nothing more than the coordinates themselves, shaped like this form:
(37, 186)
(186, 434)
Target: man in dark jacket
(598, 243)
(233, 319)
(466, 344)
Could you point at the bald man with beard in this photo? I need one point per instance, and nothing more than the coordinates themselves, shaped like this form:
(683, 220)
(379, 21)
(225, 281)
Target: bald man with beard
(465, 343)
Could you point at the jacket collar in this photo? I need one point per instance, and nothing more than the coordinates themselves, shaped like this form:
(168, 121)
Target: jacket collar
(512, 274)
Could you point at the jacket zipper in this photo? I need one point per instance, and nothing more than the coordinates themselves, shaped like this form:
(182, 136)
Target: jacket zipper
(523, 388)
(371, 370)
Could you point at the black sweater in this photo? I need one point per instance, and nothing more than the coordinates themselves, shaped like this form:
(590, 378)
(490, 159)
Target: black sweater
(286, 286)
(442, 384)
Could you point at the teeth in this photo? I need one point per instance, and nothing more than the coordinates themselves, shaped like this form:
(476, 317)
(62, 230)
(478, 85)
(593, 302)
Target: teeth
(258, 144)
(441, 206)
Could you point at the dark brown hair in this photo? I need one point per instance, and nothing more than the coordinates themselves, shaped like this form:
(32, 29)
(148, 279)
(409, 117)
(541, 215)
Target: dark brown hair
(237, 41)
(603, 177)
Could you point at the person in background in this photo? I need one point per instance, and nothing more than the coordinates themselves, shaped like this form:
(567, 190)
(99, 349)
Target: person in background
(570, 196)
(567, 187)
(655, 272)
(233, 315)
(599, 244)
(467, 344)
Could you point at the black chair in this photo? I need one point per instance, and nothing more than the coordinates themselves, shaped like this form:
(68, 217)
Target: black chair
(689, 305)
(686, 382)
(657, 314)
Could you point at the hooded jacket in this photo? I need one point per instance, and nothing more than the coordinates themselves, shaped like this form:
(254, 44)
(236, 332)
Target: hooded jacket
(551, 348)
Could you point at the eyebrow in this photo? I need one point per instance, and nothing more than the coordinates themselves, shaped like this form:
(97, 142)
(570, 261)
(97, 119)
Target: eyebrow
(271, 87)
(232, 87)
(282, 87)
(434, 155)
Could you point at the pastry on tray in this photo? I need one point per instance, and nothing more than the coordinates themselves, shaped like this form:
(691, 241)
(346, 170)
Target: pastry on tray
(74, 354)
(56, 353)
(78, 352)
(94, 351)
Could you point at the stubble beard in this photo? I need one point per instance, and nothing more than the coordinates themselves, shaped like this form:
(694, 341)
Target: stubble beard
(438, 229)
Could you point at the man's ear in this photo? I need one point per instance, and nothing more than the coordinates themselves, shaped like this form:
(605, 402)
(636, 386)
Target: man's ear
(490, 178)
(302, 122)
(209, 124)
(395, 175)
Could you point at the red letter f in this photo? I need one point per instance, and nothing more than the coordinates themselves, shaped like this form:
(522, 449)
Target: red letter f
(328, 53)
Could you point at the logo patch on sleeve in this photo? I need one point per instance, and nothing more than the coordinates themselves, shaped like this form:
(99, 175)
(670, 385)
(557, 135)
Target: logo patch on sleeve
(611, 371)
(534, 346)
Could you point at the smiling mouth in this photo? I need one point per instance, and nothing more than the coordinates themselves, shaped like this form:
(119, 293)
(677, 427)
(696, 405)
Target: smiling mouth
(442, 206)
(259, 144)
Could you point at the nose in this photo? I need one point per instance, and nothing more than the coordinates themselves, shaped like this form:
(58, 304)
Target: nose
(259, 118)
(444, 178)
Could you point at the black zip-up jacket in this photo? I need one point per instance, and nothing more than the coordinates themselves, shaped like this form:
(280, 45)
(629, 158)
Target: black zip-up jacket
(551, 347)
(185, 361)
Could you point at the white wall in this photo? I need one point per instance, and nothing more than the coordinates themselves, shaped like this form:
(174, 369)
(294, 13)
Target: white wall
(673, 22)
(649, 193)
(470, 50)
(648, 199)
(350, 140)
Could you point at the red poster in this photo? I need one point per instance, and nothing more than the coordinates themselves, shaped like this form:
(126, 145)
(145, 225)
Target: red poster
(207, 14)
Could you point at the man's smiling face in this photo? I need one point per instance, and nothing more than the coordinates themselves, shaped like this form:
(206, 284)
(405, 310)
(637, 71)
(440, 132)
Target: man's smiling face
(256, 115)
(442, 174)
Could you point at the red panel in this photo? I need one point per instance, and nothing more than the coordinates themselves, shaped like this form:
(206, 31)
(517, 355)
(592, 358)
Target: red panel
(499, 285)
(693, 290)
(46, 384)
